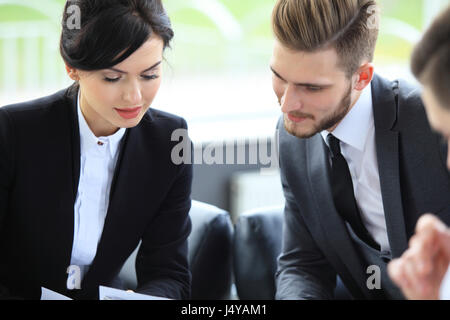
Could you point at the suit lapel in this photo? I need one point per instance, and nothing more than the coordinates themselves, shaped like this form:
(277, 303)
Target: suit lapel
(334, 227)
(67, 136)
(387, 147)
(72, 96)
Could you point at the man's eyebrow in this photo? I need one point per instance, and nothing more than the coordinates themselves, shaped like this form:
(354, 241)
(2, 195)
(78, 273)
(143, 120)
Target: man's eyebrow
(148, 69)
(303, 84)
(276, 73)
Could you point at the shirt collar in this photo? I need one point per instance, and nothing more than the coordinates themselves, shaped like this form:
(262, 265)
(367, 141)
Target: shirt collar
(355, 126)
(88, 140)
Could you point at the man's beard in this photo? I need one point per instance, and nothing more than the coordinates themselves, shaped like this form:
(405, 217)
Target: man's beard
(327, 122)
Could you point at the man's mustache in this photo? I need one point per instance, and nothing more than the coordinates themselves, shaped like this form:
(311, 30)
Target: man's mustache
(301, 115)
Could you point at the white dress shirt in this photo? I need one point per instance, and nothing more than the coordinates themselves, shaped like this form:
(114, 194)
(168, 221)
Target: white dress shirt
(357, 135)
(97, 164)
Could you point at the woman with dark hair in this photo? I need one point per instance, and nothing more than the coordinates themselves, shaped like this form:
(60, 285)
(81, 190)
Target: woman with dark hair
(86, 174)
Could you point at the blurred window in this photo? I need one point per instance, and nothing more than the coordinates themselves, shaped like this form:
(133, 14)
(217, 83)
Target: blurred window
(217, 72)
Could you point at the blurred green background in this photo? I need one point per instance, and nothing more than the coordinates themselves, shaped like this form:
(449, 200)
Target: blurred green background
(218, 44)
(216, 35)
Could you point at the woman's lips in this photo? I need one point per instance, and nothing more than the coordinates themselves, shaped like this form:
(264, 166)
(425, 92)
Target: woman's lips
(129, 113)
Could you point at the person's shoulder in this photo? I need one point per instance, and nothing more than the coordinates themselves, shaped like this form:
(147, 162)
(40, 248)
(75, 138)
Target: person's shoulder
(406, 94)
(165, 119)
(410, 93)
(163, 128)
(34, 106)
(398, 86)
(410, 110)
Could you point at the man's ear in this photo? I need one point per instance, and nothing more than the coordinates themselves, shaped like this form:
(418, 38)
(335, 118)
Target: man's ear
(72, 72)
(364, 76)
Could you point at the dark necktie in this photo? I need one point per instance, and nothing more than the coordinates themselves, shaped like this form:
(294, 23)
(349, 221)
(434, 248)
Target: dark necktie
(343, 196)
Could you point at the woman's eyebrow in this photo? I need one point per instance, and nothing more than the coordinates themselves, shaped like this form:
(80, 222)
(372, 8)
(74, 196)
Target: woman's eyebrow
(148, 69)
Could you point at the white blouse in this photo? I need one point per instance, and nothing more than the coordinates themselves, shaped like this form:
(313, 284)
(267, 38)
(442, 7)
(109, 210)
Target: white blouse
(97, 164)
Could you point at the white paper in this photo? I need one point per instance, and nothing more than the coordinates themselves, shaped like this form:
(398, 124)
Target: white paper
(445, 286)
(106, 293)
(48, 294)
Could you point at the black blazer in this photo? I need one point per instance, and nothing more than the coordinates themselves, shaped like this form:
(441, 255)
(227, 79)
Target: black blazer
(413, 177)
(39, 175)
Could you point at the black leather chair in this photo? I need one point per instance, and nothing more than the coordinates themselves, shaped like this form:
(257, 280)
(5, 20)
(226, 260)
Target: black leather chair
(210, 254)
(256, 246)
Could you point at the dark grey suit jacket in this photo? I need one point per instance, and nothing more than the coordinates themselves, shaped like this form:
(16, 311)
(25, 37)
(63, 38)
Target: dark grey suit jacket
(414, 180)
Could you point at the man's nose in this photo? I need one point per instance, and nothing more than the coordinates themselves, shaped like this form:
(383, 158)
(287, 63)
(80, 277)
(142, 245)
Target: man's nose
(290, 101)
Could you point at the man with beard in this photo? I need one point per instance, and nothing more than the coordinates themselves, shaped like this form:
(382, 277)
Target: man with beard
(359, 162)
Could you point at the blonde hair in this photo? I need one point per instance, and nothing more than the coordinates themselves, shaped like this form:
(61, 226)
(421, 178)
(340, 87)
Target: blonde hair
(349, 26)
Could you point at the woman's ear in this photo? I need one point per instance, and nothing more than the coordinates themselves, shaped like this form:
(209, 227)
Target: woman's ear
(72, 72)
(364, 76)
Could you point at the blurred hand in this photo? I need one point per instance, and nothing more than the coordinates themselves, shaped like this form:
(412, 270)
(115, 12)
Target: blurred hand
(421, 268)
